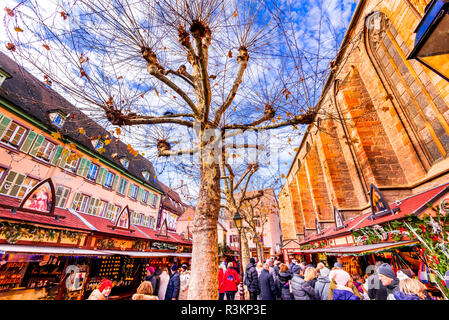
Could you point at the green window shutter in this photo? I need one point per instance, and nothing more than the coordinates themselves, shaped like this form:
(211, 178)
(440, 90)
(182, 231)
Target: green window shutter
(57, 155)
(102, 176)
(28, 142)
(65, 154)
(39, 140)
(83, 168)
(116, 180)
(4, 123)
(139, 194)
(8, 182)
(91, 205)
(76, 198)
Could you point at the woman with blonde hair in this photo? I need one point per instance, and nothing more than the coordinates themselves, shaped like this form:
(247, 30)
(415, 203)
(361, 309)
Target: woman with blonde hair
(310, 276)
(410, 289)
(144, 292)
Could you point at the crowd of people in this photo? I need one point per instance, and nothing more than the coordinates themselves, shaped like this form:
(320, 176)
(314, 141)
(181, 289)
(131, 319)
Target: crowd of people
(273, 280)
(170, 283)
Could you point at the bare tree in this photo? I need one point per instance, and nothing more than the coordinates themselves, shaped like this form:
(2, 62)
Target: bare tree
(195, 72)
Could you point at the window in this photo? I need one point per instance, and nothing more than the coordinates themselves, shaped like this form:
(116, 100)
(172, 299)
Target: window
(151, 223)
(14, 134)
(81, 203)
(57, 119)
(45, 150)
(257, 222)
(72, 163)
(109, 180)
(17, 185)
(62, 193)
(26, 186)
(92, 173)
(133, 191)
(116, 212)
(145, 196)
(233, 238)
(137, 218)
(97, 144)
(124, 162)
(102, 208)
(146, 175)
(122, 186)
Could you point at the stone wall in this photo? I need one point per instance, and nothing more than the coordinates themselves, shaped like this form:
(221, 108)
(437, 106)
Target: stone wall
(389, 124)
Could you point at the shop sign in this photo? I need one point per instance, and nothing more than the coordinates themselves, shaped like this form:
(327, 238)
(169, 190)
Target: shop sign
(163, 246)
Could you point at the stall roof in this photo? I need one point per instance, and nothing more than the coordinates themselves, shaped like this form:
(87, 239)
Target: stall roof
(361, 249)
(7, 248)
(147, 254)
(407, 206)
(69, 221)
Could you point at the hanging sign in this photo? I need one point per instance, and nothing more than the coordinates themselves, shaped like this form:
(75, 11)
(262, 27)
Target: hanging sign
(163, 246)
(40, 199)
(123, 221)
(379, 206)
(339, 220)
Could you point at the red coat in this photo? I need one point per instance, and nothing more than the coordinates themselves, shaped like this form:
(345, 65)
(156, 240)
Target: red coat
(220, 280)
(230, 280)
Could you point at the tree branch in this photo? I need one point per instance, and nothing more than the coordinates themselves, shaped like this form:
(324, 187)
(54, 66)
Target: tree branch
(242, 58)
(306, 118)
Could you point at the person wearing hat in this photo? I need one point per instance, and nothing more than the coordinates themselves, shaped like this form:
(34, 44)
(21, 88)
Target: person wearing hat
(322, 284)
(344, 289)
(102, 292)
(301, 289)
(153, 278)
(389, 279)
(184, 278)
(173, 286)
(252, 279)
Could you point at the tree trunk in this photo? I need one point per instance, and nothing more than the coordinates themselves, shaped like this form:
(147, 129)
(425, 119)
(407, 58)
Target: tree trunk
(245, 251)
(204, 269)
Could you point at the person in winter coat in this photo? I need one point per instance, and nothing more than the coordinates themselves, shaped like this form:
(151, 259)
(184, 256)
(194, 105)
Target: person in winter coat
(144, 292)
(252, 279)
(184, 278)
(322, 285)
(277, 263)
(266, 284)
(376, 290)
(388, 278)
(344, 287)
(282, 283)
(301, 289)
(164, 279)
(230, 281)
(172, 292)
(103, 291)
(153, 277)
(221, 272)
(410, 289)
(310, 276)
(259, 268)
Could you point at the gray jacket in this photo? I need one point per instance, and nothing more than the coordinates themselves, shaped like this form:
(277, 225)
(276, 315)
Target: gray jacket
(301, 289)
(322, 287)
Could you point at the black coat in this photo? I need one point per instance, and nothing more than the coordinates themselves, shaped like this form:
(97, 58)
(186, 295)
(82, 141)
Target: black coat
(173, 287)
(252, 278)
(266, 284)
(283, 286)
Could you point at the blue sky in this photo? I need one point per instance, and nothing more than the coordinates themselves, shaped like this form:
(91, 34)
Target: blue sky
(316, 29)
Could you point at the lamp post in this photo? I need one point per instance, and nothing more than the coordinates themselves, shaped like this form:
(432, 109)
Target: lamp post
(238, 221)
(432, 38)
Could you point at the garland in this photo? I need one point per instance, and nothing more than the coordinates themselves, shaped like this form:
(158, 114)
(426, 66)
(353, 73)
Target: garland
(139, 245)
(13, 232)
(105, 244)
(314, 245)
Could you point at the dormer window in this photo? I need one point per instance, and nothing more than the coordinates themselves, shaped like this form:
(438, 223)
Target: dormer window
(3, 76)
(146, 175)
(57, 119)
(124, 162)
(97, 144)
